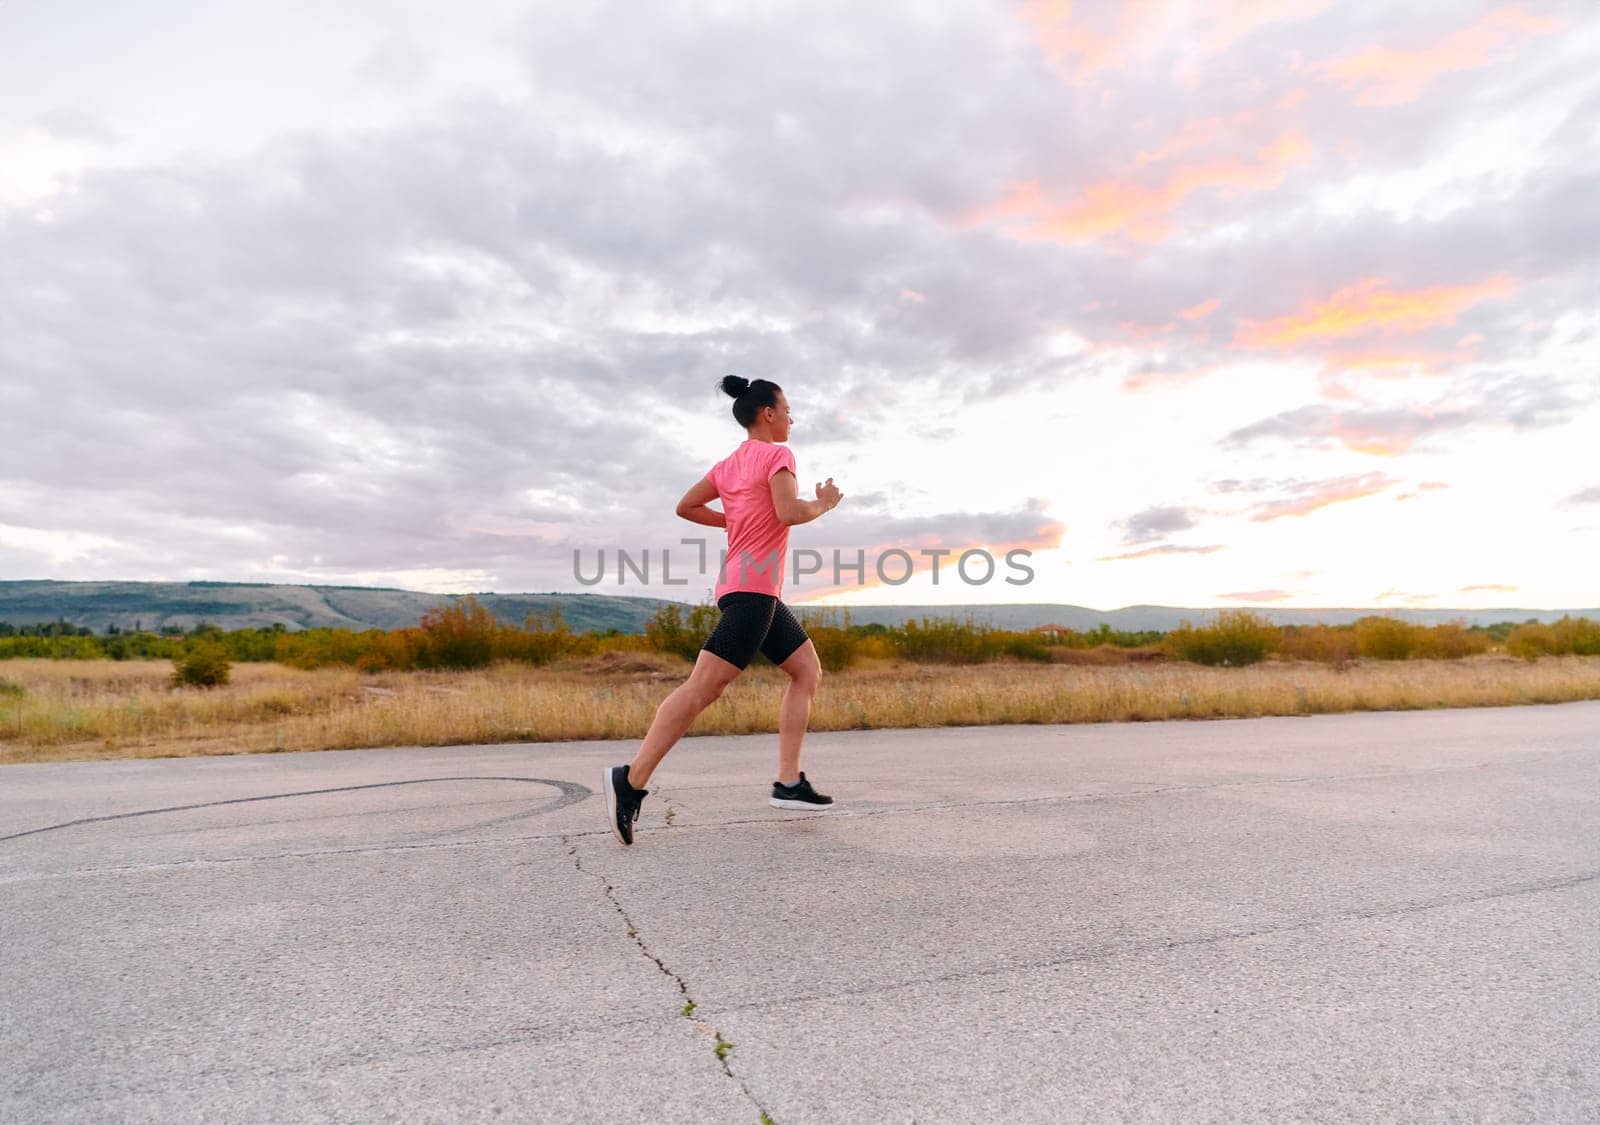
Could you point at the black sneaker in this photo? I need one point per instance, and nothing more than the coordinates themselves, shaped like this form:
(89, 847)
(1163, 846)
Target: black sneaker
(800, 795)
(622, 802)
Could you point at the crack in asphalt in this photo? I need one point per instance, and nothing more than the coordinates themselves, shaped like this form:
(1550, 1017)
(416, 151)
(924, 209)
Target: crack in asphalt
(1107, 952)
(723, 1047)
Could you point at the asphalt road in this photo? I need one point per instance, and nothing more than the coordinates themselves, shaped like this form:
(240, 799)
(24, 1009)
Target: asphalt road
(1356, 917)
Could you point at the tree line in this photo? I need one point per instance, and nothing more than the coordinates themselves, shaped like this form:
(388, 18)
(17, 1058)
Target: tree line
(466, 635)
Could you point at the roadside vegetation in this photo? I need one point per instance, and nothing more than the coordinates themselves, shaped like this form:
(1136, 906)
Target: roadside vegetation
(461, 676)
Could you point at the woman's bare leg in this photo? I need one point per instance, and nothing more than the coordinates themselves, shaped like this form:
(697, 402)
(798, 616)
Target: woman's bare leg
(678, 711)
(805, 673)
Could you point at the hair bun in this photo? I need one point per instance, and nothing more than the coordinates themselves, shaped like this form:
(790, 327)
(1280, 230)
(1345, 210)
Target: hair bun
(735, 386)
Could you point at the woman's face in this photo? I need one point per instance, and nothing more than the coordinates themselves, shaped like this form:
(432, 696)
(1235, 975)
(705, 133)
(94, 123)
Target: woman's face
(781, 420)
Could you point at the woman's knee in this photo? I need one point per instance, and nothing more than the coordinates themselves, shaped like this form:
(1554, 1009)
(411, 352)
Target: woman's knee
(805, 675)
(709, 691)
(710, 677)
(707, 688)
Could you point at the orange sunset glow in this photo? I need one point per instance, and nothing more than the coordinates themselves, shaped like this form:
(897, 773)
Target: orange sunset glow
(1387, 76)
(1371, 305)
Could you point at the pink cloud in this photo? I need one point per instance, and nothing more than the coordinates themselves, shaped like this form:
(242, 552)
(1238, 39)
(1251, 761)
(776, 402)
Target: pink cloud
(1323, 495)
(1080, 46)
(1148, 552)
(1258, 596)
(1202, 310)
(1138, 211)
(1083, 41)
(1387, 77)
(1371, 305)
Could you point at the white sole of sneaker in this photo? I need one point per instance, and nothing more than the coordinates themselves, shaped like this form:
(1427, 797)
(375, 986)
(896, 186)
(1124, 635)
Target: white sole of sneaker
(610, 788)
(782, 803)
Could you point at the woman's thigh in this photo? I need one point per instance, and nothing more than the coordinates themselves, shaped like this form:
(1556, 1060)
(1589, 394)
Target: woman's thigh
(743, 627)
(784, 637)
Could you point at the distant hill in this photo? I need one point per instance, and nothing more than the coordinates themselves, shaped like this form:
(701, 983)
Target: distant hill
(241, 605)
(247, 605)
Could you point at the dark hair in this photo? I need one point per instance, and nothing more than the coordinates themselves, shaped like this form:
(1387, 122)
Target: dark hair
(749, 398)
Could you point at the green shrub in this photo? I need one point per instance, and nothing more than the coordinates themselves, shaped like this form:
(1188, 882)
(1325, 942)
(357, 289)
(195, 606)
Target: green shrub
(460, 635)
(1532, 641)
(942, 640)
(1237, 637)
(836, 648)
(672, 630)
(1577, 635)
(1450, 642)
(1384, 638)
(389, 652)
(543, 638)
(1022, 646)
(1327, 644)
(203, 664)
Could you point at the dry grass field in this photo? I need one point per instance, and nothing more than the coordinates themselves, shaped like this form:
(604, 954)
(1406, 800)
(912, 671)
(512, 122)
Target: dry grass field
(62, 710)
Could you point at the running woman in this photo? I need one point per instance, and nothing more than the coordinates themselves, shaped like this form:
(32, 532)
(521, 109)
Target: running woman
(760, 502)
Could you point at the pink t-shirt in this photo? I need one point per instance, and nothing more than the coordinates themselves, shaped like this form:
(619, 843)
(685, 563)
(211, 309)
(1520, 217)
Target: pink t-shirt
(755, 537)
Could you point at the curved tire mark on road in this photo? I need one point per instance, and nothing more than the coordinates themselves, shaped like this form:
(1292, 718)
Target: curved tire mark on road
(571, 794)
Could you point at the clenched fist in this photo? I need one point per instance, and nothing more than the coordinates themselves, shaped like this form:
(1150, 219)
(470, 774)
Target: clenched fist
(829, 493)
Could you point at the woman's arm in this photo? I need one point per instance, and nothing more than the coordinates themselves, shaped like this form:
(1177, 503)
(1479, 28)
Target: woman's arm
(791, 509)
(693, 505)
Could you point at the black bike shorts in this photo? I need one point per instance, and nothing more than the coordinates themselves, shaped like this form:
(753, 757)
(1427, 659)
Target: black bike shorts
(753, 622)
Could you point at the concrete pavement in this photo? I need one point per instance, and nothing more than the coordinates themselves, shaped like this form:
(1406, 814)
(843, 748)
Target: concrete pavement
(1342, 917)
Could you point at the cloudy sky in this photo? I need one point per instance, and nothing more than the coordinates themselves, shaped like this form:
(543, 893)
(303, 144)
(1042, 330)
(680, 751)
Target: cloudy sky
(1222, 303)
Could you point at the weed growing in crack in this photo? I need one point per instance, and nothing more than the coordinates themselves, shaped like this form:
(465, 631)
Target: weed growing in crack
(723, 1046)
